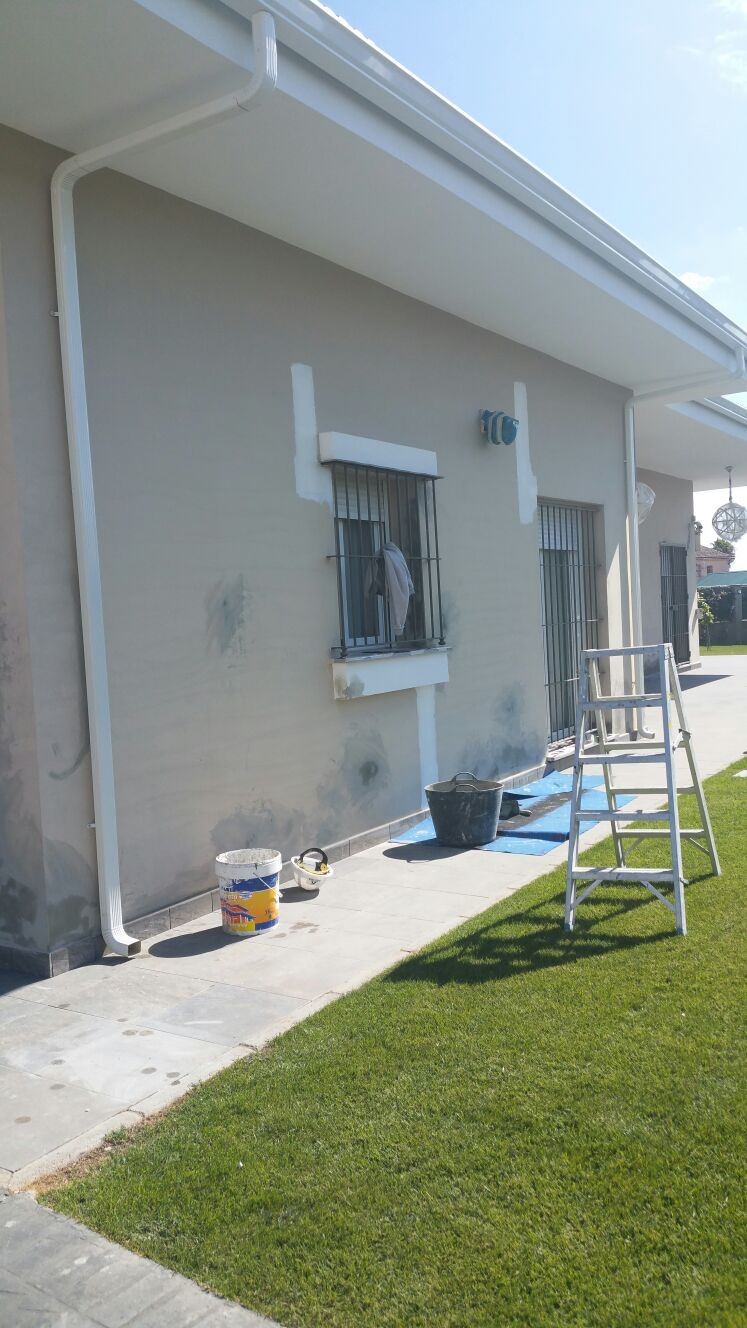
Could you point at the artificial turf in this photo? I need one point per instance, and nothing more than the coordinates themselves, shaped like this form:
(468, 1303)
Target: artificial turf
(514, 1126)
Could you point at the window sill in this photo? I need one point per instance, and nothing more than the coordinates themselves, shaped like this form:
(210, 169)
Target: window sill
(375, 674)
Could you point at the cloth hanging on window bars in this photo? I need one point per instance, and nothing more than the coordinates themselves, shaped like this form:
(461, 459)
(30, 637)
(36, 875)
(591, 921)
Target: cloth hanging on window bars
(389, 575)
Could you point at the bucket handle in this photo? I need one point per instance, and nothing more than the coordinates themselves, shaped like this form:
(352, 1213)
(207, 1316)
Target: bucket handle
(324, 860)
(465, 779)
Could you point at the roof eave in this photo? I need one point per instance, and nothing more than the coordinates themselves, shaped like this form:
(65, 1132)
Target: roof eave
(320, 36)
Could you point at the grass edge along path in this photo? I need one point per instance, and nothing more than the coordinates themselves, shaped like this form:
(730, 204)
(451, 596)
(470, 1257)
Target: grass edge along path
(514, 1127)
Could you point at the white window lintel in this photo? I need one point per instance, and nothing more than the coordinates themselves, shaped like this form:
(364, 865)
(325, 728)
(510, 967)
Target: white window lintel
(376, 453)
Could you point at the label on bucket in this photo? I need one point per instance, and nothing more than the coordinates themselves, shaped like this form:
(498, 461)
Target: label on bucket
(244, 911)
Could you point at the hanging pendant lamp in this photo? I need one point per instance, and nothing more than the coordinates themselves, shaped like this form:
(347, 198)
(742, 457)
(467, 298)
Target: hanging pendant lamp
(730, 521)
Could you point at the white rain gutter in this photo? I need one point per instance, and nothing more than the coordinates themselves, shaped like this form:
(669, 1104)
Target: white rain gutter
(261, 85)
(663, 392)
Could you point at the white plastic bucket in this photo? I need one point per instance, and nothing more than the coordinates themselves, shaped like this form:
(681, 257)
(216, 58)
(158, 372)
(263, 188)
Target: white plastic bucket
(249, 890)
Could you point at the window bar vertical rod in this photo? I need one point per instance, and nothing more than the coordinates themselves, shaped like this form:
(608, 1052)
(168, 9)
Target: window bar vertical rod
(543, 605)
(416, 566)
(553, 565)
(545, 608)
(574, 523)
(367, 563)
(586, 610)
(553, 542)
(424, 490)
(543, 575)
(590, 631)
(441, 640)
(359, 562)
(560, 616)
(569, 626)
(592, 582)
(552, 618)
(338, 557)
(593, 606)
(399, 538)
(382, 498)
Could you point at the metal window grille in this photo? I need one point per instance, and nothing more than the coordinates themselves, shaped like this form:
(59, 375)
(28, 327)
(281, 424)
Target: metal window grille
(372, 507)
(674, 602)
(570, 619)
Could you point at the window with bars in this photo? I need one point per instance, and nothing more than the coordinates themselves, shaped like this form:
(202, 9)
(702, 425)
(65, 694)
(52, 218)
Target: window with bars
(373, 507)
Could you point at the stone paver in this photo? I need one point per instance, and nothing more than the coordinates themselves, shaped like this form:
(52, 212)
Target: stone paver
(106, 1045)
(55, 1273)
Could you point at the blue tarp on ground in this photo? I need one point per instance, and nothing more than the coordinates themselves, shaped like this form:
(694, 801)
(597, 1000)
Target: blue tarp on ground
(541, 835)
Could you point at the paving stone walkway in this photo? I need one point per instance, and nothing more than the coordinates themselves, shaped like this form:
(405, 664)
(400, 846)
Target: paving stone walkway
(57, 1274)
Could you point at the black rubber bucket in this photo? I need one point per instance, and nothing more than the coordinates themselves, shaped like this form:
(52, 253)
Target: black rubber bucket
(465, 810)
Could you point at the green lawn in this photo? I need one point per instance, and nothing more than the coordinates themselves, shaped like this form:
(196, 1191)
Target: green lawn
(723, 650)
(514, 1126)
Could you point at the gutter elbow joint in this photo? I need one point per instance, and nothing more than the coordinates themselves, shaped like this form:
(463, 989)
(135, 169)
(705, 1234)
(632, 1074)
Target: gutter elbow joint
(265, 78)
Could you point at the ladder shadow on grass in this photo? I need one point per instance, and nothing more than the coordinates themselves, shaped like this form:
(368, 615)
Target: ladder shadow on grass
(533, 938)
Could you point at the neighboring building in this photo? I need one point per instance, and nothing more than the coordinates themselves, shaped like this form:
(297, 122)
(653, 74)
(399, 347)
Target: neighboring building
(708, 560)
(291, 320)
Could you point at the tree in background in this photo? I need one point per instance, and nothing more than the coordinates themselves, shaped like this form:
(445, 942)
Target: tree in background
(718, 602)
(724, 546)
(705, 619)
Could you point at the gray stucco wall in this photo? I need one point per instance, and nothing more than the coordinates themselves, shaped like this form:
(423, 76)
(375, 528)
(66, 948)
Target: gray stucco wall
(669, 522)
(220, 597)
(47, 876)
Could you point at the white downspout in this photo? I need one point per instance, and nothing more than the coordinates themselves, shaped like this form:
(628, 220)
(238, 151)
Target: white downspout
(664, 392)
(262, 83)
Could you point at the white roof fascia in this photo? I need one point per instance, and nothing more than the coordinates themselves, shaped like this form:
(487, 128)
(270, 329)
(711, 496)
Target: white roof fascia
(314, 32)
(470, 161)
(723, 416)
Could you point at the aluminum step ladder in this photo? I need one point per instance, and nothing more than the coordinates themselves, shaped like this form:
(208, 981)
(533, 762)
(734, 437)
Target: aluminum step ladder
(592, 711)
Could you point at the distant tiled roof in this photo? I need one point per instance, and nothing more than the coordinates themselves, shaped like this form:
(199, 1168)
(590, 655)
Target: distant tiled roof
(717, 579)
(707, 551)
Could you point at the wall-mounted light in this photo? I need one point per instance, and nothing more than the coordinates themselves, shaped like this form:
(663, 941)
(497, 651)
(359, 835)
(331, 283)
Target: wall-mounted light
(497, 426)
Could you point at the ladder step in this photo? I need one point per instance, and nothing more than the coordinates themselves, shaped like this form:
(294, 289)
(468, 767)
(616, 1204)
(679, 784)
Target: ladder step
(647, 745)
(623, 790)
(645, 757)
(623, 815)
(659, 834)
(621, 874)
(623, 702)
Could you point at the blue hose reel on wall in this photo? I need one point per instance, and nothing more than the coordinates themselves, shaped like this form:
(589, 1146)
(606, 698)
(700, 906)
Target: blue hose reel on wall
(497, 426)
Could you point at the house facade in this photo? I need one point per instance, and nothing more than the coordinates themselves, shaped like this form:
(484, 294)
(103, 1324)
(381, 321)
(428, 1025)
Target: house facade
(277, 381)
(709, 560)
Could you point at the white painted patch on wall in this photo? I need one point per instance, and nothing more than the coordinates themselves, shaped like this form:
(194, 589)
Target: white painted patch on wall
(313, 481)
(526, 480)
(427, 741)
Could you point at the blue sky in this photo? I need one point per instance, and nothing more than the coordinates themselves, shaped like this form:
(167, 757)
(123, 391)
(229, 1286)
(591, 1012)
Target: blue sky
(639, 107)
